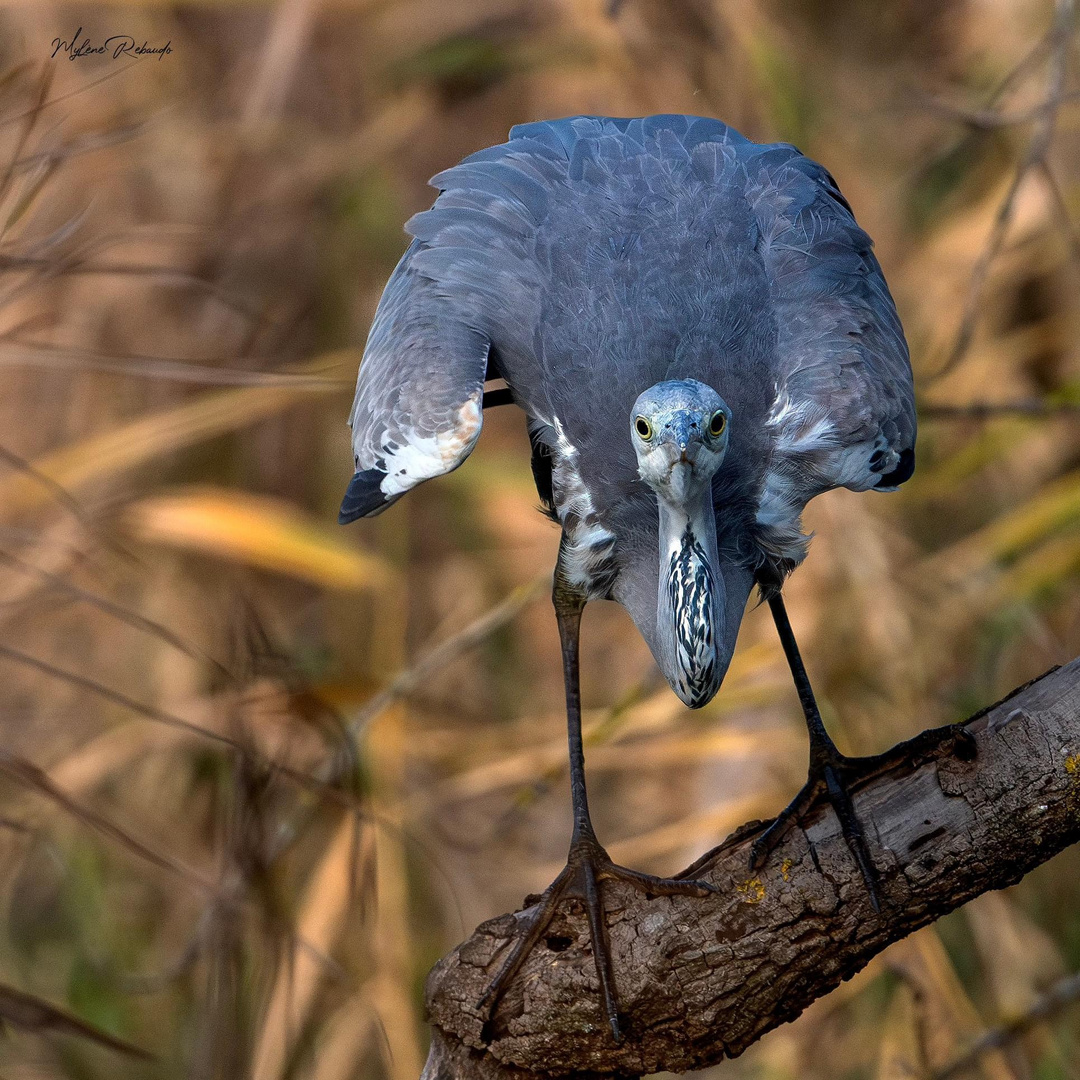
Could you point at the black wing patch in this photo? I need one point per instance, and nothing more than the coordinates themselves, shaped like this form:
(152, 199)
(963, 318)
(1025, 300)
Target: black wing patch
(363, 497)
(903, 471)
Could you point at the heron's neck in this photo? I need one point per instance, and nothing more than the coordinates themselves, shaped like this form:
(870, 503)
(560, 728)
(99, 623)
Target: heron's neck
(689, 603)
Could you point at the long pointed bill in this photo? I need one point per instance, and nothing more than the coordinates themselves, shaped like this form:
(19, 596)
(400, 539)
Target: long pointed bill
(690, 602)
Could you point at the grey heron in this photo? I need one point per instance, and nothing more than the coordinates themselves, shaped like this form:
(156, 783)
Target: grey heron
(702, 340)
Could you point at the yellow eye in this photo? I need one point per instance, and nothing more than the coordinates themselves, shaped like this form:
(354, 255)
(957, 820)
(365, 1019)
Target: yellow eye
(643, 428)
(717, 423)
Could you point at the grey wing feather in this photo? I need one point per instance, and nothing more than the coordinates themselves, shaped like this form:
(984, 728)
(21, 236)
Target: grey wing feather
(464, 281)
(417, 411)
(844, 414)
(475, 278)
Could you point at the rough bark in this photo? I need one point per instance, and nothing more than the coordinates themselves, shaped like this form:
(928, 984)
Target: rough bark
(700, 980)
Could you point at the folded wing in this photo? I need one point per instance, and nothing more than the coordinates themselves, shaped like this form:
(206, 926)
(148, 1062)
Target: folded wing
(844, 414)
(417, 411)
(468, 279)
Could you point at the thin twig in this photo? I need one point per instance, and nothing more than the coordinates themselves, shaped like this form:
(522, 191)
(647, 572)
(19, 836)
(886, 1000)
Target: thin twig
(1061, 209)
(982, 410)
(117, 611)
(1058, 38)
(31, 776)
(174, 275)
(82, 144)
(84, 682)
(989, 119)
(202, 373)
(22, 1010)
(405, 682)
(322, 785)
(60, 494)
(30, 117)
(39, 108)
(1064, 992)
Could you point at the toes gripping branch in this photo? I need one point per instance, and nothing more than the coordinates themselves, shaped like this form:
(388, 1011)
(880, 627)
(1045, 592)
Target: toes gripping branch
(588, 866)
(832, 775)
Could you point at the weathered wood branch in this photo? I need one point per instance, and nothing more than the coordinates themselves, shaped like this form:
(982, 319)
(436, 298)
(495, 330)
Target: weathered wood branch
(700, 980)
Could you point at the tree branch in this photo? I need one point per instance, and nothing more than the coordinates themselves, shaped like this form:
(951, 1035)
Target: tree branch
(700, 980)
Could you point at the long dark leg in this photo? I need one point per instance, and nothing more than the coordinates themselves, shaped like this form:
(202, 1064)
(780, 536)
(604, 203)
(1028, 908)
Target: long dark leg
(568, 609)
(587, 865)
(829, 769)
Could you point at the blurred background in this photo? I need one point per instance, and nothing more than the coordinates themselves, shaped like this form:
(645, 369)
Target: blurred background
(258, 772)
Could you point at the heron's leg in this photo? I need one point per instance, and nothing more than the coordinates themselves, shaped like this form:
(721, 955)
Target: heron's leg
(831, 773)
(827, 774)
(587, 865)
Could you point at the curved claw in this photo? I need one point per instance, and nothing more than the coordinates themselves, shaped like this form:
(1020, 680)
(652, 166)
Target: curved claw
(851, 827)
(792, 814)
(826, 780)
(830, 775)
(586, 868)
(545, 912)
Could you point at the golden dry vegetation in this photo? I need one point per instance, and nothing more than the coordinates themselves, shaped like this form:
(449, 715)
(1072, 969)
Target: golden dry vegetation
(258, 772)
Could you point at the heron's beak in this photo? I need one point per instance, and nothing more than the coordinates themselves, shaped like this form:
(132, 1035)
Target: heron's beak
(681, 480)
(682, 431)
(682, 445)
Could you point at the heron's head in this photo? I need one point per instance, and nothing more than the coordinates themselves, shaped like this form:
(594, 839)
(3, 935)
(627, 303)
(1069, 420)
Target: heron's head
(679, 430)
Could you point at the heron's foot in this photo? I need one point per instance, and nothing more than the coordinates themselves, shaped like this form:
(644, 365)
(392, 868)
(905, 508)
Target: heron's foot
(831, 777)
(587, 868)
(955, 739)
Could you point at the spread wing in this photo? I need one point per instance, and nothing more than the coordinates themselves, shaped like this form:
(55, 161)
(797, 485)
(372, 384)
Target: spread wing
(844, 413)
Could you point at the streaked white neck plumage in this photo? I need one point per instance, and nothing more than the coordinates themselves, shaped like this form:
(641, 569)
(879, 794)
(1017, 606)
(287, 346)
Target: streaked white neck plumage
(689, 610)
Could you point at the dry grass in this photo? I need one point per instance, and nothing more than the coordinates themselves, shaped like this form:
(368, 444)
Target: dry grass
(258, 773)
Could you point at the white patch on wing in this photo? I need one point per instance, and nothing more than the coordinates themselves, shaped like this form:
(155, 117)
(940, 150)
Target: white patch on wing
(587, 545)
(799, 426)
(421, 458)
(805, 446)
